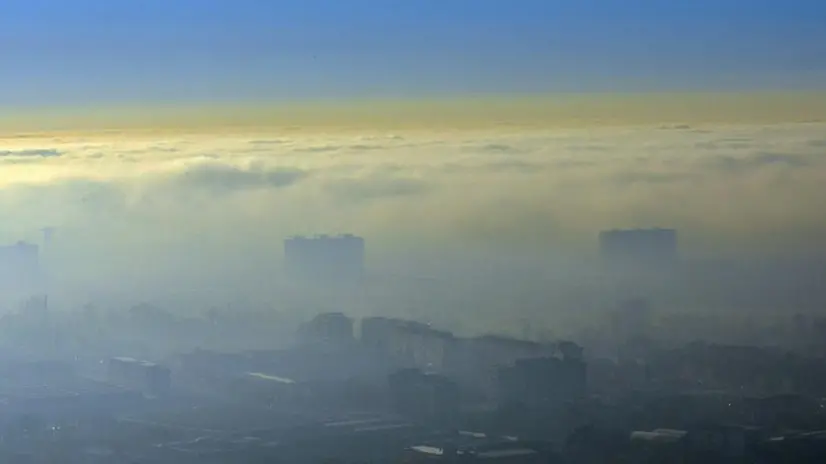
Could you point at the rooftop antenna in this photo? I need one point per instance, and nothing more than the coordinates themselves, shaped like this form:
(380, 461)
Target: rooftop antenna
(48, 233)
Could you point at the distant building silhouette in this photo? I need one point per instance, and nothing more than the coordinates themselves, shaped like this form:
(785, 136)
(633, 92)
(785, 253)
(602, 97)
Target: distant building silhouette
(476, 361)
(631, 320)
(325, 258)
(138, 375)
(329, 327)
(542, 381)
(410, 343)
(423, 397)
(639, 248)
(48, 234)
(19, 266)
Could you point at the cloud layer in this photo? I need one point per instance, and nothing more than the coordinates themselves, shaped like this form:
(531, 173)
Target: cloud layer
(163, 200)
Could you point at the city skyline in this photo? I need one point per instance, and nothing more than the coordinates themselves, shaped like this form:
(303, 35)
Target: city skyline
(572, 231)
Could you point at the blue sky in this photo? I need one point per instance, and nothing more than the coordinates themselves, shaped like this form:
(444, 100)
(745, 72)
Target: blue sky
(119, 51)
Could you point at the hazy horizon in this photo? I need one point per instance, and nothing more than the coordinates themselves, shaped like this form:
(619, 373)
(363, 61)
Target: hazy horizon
(527, 183)
(184, 142)
(433, 113)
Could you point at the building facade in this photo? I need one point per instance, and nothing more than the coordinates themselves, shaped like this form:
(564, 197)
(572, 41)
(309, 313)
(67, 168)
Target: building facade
(329, 327)
(542, 381)
(409, 343)
(142, 376)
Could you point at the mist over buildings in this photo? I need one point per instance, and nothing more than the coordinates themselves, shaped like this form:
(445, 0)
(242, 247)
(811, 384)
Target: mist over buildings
(536, 292)
(506, 220)
(352, 232)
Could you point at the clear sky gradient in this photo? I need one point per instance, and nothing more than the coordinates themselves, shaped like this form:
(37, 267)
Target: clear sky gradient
(60, 52)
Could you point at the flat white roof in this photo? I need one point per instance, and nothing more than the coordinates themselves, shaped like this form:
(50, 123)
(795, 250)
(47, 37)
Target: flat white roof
(428, 450)
(273, 378)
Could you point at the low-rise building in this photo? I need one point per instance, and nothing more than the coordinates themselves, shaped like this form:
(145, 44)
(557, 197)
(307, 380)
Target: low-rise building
(427, 398)
(408, 343)
(542, 381)
(329, 327)
(475, 362)
(144, 376)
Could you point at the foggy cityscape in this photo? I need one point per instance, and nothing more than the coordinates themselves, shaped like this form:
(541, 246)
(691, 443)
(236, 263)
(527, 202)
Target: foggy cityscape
(358, 365)
(362, 233)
